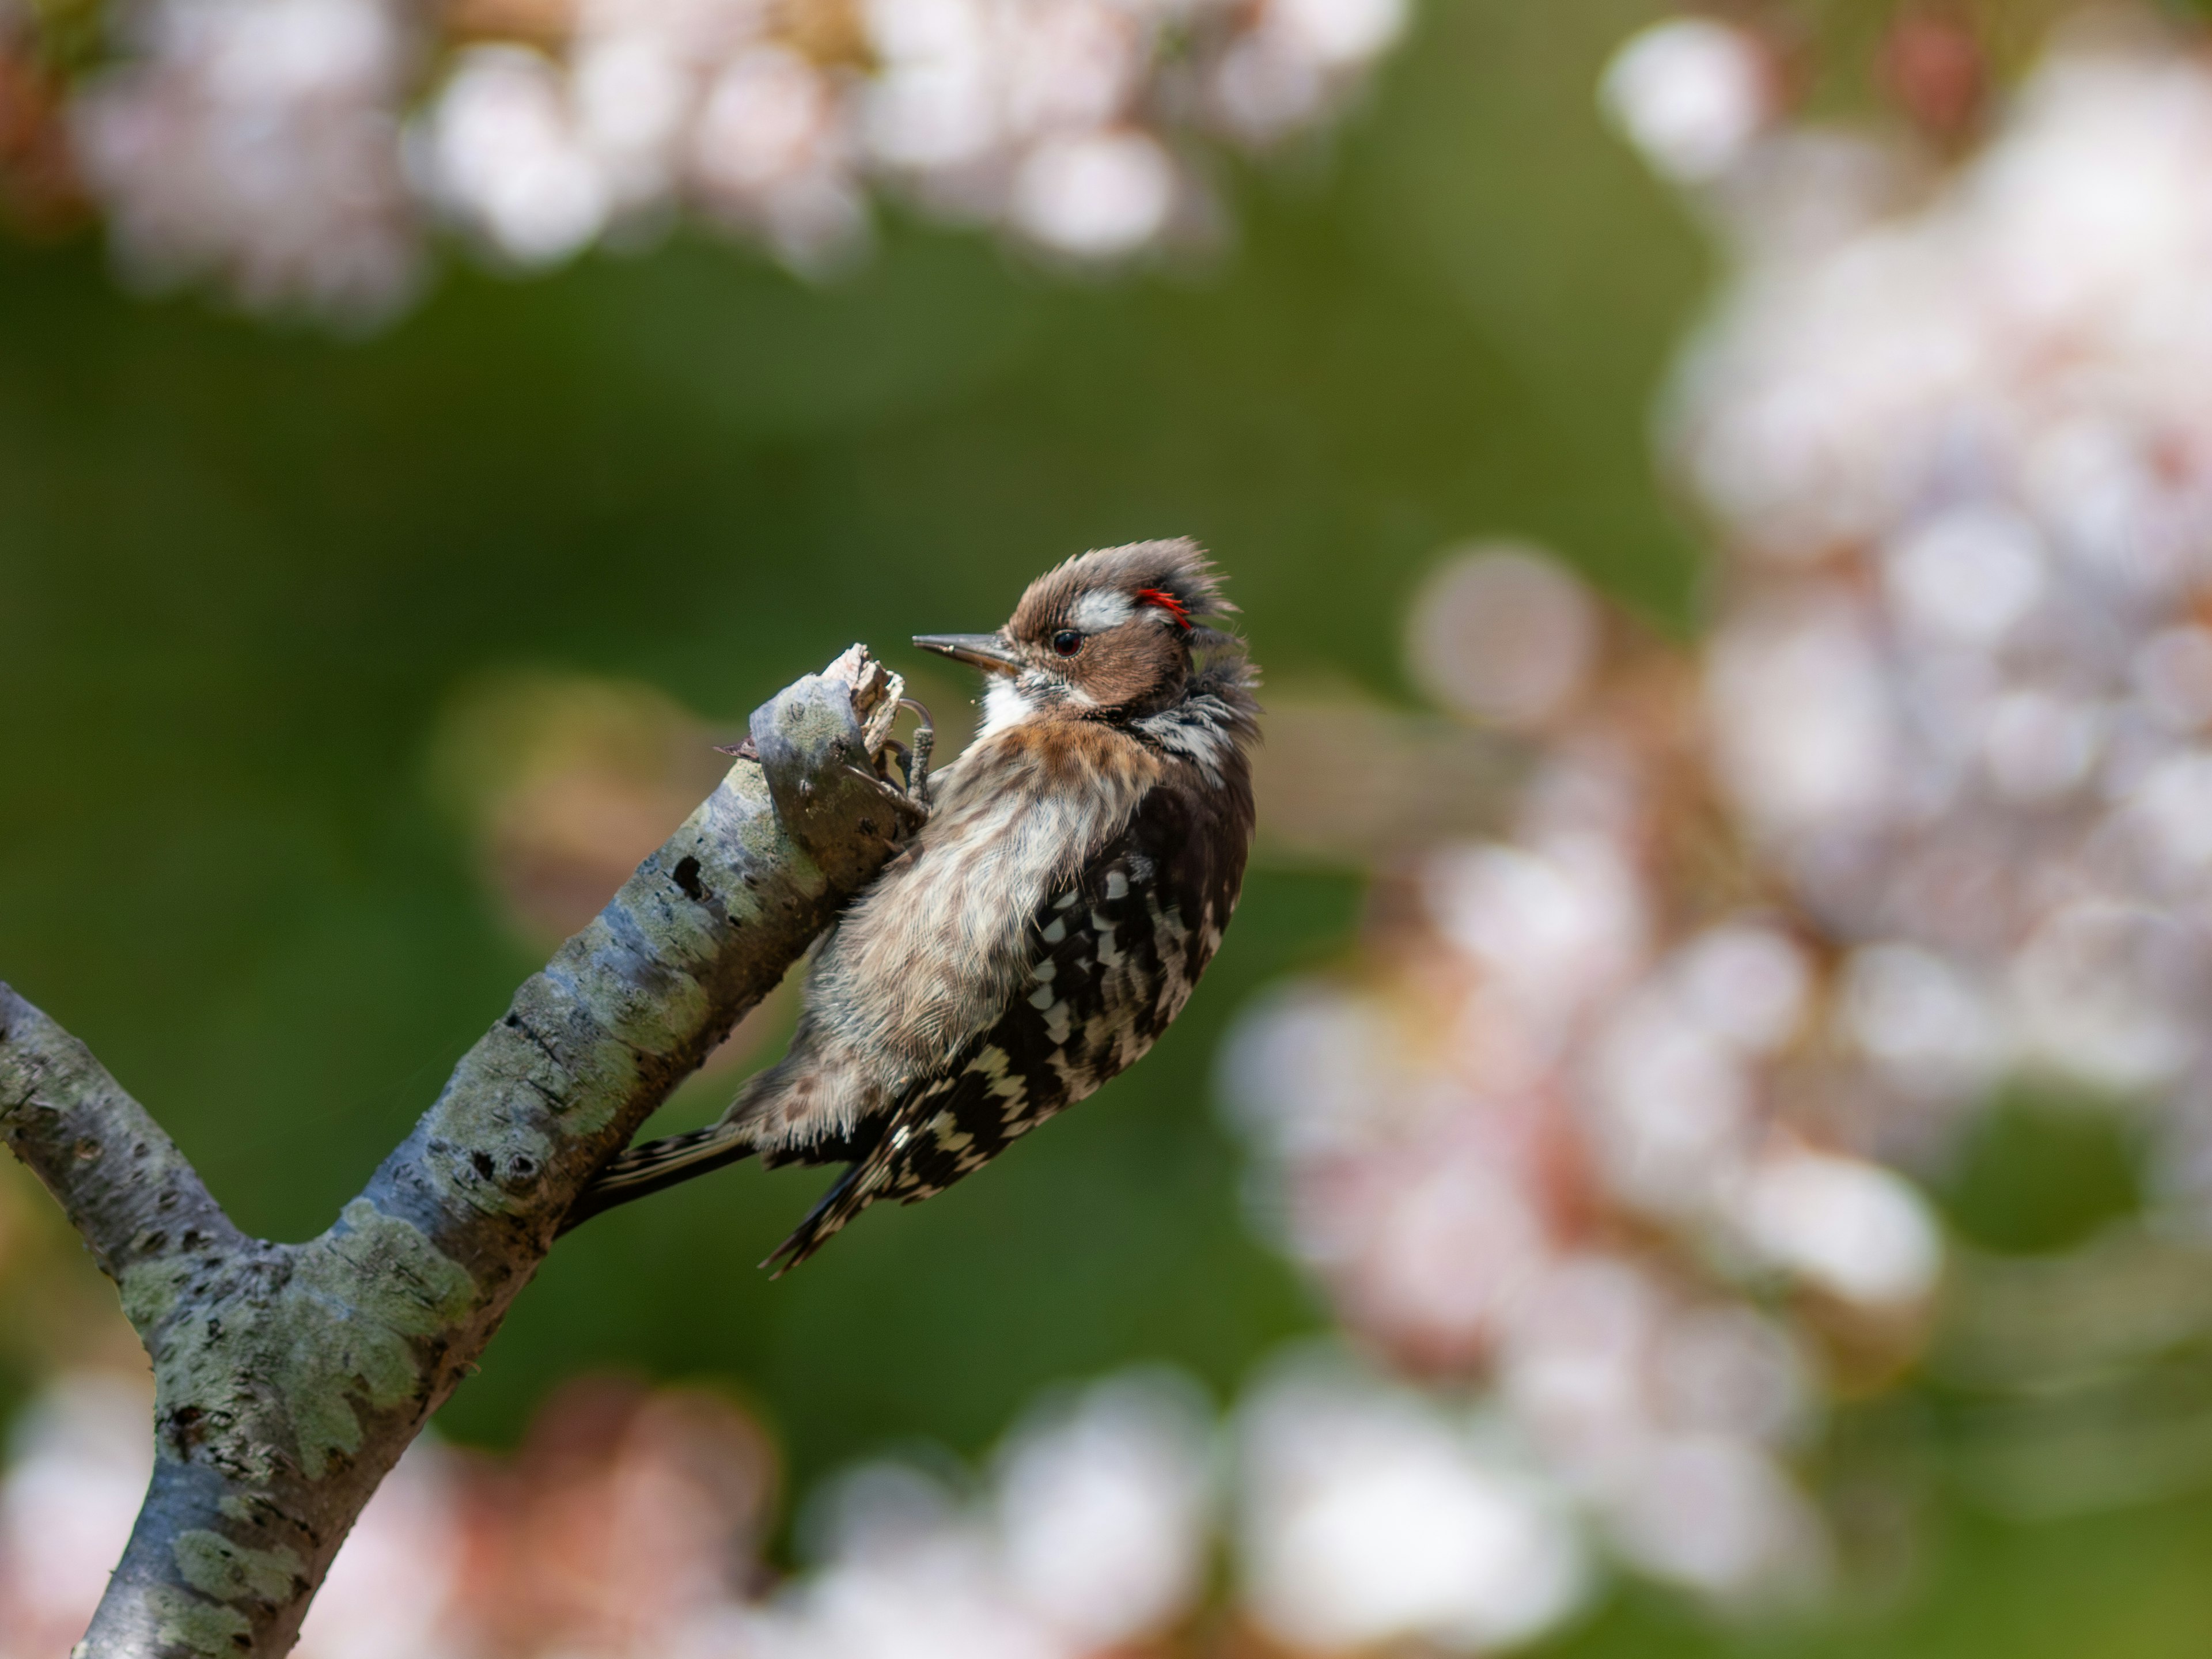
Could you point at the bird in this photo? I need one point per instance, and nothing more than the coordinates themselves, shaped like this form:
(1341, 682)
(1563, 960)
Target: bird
(1076, 870)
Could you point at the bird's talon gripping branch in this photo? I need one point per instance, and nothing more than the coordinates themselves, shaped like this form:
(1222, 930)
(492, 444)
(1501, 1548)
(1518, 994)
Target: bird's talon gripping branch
(925, 743)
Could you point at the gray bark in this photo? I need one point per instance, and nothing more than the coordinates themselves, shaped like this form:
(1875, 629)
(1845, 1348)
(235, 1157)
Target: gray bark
(289, 1377)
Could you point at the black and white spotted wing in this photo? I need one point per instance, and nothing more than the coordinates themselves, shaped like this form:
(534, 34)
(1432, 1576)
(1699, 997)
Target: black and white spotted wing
(1117, 953)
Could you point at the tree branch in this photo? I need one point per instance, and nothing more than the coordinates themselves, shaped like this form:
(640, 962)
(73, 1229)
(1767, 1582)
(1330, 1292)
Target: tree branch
(124, 1185)
(289, 1377)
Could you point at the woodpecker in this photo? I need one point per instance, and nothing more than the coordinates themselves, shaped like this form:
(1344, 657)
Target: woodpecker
(1071, 881)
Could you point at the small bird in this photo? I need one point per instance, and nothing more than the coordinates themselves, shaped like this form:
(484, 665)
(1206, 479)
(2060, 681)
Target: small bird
(1078, 864)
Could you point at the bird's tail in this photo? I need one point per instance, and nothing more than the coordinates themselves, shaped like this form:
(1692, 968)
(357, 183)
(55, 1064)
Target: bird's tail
(654, 1165)
(849, 1195)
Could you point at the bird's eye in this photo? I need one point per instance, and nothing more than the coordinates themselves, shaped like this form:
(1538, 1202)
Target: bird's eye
(1067, 641)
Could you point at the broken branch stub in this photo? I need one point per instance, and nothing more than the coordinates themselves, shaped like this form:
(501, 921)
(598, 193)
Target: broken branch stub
(822, 807)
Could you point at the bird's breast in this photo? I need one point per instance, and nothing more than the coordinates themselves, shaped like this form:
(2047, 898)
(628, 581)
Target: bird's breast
(930, 955)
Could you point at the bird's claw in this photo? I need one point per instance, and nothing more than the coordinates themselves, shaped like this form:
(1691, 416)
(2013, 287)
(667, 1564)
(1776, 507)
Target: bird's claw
(925, 740)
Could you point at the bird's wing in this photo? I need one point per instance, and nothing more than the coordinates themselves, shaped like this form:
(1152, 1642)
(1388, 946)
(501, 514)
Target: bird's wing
(1113, 955)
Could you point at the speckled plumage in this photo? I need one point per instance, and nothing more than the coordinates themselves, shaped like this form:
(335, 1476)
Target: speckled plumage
(1078, 866)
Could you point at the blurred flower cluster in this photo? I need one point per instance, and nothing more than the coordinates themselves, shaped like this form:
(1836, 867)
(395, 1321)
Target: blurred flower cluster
(1622, 1117)
(1950, 427)
(632, 1522)
(295, 152)
(627, 1521)
(1571, 1129)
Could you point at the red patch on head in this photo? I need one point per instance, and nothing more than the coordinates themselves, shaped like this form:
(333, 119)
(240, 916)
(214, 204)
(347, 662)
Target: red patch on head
(1167, 602)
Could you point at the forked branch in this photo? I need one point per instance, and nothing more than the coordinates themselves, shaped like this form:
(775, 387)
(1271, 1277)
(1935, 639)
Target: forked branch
(290, 1377)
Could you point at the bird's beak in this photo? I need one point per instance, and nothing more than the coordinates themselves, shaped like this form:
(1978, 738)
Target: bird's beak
(987, 652)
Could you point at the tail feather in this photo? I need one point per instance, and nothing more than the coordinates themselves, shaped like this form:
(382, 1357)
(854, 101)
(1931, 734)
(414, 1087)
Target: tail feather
(655, 1166)
(849, 1195)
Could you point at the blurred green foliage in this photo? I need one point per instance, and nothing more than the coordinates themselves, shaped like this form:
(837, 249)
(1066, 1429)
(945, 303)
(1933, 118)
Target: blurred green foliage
(241, 571)
(2039, 1173)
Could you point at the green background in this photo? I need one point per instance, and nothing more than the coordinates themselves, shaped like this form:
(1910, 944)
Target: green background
(242, 568)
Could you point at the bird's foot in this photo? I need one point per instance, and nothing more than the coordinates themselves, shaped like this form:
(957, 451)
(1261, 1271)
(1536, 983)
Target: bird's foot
(917, 762)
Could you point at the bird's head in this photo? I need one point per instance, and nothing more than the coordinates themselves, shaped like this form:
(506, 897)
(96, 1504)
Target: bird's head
(1109, 634)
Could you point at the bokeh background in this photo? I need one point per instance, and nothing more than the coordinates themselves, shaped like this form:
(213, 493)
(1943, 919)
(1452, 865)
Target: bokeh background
(1697, 1141)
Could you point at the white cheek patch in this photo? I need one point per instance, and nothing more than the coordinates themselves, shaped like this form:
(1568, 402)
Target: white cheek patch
(1005, 704)
(1095, 613)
